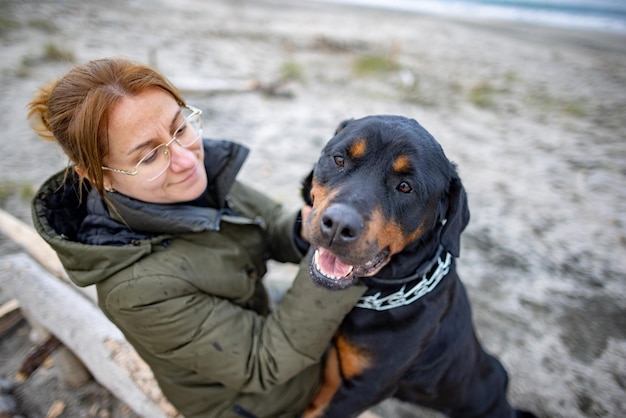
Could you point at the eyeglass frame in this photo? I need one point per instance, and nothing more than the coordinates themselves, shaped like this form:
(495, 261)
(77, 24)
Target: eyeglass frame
(194, 112)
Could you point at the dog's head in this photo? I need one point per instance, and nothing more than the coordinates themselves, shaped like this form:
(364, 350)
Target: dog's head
(381, 184)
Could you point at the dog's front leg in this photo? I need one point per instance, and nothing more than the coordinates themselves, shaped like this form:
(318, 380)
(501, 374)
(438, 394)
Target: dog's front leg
(345, 365)
(330, 384)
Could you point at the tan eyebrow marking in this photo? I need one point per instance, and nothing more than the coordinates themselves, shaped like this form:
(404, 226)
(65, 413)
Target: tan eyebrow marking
(358, 148)
(402, 164)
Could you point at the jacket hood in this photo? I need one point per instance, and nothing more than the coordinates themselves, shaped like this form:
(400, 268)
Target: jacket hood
(93, 243)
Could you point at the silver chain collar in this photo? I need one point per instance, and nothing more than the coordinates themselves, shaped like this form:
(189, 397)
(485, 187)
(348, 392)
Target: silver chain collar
(405, 297)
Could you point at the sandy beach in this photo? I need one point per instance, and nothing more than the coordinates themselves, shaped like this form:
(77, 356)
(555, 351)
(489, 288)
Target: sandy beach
(534, 117)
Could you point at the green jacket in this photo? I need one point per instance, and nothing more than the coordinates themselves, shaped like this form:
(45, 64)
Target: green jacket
(183, 283)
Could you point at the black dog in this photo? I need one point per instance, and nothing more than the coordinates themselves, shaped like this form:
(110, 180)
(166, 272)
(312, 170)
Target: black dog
(388, 211)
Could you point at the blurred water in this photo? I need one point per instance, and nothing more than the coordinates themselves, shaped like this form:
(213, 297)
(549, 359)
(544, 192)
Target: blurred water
(604, 15)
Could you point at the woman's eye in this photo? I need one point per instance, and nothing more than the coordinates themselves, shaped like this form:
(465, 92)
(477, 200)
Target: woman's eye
(181, 130)
(339, 160)
(404, 187)
(151, 156)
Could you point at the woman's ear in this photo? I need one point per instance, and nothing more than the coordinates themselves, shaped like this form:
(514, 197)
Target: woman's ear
(80, 172)
(457, 217)
(106, 181)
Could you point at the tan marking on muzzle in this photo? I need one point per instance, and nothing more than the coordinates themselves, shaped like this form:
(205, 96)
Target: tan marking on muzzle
(321, 197)
(389, 234)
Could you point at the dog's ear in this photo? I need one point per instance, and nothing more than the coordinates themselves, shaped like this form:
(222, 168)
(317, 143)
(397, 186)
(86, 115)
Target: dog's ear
(342, 125)
(456, 217)
(305, 190)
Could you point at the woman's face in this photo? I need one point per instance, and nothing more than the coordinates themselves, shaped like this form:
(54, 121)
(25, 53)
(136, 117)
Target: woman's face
(136, 126)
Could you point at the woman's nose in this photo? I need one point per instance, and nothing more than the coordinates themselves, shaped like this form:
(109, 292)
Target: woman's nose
(181, 158)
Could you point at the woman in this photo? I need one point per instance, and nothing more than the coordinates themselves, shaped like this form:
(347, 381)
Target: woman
(152, 215)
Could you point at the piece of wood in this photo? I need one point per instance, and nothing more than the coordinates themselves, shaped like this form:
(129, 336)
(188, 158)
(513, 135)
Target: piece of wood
(10, 316)
(9, 307)
(209, 87)
(36, 357)
(204, 86)
(56, 409)
(26, 237)
(70, 369)
(82, 327)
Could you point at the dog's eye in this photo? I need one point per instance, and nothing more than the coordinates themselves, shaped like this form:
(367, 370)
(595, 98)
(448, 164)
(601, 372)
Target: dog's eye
(339, 160)
(404, 187)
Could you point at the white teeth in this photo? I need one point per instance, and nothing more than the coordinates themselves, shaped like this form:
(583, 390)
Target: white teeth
(345, 275)
(316, 258)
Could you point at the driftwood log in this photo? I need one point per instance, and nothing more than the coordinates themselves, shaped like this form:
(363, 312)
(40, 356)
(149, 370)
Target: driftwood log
(78, 323)
(71, 315)
(10, 316)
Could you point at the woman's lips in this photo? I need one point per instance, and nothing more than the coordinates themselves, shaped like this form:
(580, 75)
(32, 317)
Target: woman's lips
(190, 177)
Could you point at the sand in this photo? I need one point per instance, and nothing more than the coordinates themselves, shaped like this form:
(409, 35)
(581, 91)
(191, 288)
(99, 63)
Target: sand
(534, 117)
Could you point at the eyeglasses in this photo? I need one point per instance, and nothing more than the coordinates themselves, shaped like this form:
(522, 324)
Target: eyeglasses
(157, 161)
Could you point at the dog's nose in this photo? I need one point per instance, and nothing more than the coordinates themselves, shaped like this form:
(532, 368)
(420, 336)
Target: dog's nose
(341, 224)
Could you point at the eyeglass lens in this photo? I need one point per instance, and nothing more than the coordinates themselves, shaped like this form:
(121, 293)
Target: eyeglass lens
(154, 163)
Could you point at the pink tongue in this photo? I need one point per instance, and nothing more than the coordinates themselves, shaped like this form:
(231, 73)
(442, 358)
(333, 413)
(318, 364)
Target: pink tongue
(331, 265)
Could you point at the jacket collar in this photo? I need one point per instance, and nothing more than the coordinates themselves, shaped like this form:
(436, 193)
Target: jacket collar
(128, 219)
(67, 224)
(223, 160)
